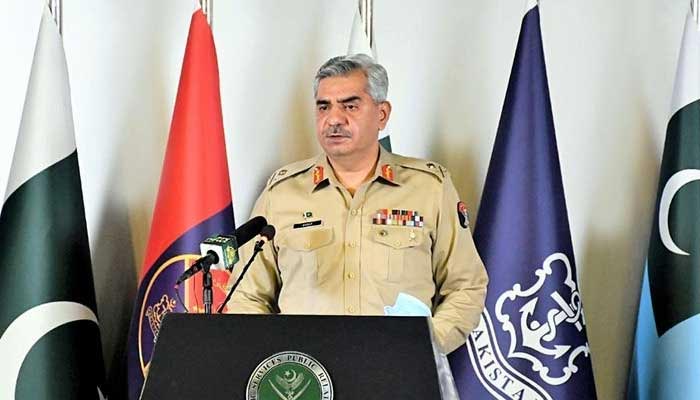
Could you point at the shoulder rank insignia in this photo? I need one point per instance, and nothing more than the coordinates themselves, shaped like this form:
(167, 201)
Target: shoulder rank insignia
(437, 167)
(269, 181)
(387, 172)
(463, 214)
(318, 174)
(289, 171)
(429, 167)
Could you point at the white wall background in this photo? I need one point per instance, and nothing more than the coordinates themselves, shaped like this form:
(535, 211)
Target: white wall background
(610, 65)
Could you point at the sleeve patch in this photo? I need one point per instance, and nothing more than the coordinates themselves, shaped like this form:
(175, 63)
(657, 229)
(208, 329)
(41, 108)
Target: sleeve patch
(463, 214)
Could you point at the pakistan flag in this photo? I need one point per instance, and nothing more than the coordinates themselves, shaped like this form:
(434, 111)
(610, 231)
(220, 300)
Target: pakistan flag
(666, 363)
(49, 337)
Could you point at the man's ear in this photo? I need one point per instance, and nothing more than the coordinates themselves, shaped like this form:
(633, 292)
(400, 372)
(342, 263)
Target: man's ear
(384, 113)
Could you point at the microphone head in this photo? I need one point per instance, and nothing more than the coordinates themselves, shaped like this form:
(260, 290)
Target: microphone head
(249, 230)
(222, 250)
(268, 232)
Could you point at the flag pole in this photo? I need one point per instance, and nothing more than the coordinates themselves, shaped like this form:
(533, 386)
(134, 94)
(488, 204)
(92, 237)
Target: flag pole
(695, 9)
(366, 12)
(207, 281)
(56, 7)
(208, 10)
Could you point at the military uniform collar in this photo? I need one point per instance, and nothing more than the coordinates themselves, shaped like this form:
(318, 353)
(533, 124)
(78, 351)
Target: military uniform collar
(385, 171)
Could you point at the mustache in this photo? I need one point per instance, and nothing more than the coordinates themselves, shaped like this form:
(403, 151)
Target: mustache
(336, 130)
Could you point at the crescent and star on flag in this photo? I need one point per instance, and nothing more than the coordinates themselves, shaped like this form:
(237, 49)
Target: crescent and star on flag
(673, 185)
(27, 329)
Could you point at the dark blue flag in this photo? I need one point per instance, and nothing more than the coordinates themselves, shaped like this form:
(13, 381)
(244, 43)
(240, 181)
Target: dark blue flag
(531, 340)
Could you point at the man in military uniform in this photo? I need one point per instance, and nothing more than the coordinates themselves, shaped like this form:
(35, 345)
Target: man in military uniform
(358, 225)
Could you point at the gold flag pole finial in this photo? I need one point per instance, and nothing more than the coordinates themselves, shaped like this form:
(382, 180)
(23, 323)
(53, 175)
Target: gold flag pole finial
(56, 8)
(208, 10)
(366, 11)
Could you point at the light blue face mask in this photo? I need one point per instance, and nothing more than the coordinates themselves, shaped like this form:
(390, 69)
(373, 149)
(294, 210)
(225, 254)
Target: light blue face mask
(407, 306)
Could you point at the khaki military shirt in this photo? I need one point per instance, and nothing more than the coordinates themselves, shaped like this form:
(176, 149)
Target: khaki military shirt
(338, 254)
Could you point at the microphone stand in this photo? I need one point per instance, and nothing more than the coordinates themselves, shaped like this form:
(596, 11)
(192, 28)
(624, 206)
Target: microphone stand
(257, 249)
(207, 292)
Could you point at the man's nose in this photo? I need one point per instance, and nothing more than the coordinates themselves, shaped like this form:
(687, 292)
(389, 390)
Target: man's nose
(337, 116)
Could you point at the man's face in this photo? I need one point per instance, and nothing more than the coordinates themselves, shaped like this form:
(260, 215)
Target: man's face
(347, 118)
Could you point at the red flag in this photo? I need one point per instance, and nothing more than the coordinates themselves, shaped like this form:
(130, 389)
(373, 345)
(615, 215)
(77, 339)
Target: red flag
(194, 200)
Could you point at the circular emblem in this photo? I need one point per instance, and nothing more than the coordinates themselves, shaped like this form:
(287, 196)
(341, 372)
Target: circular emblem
(289, 375)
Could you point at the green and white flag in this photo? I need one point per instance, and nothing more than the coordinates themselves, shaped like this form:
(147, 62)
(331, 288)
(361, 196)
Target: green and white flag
(666, 358)
(360, 44)
(49, 337)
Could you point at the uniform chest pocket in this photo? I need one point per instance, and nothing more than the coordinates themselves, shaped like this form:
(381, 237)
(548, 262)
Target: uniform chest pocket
(302, 255)
(403, 252)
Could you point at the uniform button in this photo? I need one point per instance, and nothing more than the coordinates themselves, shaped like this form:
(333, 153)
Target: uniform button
(307, 245)
(383, 232)
(352, 244)
(353, 212)
(351, 310)
(398, 243)
(351, 275)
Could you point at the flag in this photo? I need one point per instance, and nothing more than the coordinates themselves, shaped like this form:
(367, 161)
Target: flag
(360, 44)
(193, 202)
(50, 343)
(531, 340)
(667, 344)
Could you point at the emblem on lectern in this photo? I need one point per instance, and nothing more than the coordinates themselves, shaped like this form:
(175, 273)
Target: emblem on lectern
(289, 375)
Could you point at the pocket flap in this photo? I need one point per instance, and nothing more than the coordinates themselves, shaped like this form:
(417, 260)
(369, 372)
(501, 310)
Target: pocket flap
(309, 240)
(398, 237)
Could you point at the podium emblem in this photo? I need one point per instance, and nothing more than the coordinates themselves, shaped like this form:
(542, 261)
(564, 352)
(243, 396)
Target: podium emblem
(289, 375)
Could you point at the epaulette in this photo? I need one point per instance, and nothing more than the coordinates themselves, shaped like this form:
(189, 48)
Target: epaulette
(289, 170)
(430, 167)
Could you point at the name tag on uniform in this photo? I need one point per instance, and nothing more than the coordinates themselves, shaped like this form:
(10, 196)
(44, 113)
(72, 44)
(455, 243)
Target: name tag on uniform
(306, 224)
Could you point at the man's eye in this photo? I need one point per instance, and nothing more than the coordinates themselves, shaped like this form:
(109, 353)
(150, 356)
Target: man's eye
(322, 107)
(350, 107)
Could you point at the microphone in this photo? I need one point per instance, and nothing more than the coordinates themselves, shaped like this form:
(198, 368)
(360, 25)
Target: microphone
(225, 247)
(249, 230)
(209, 259)
(221, 251)
(267, 233)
